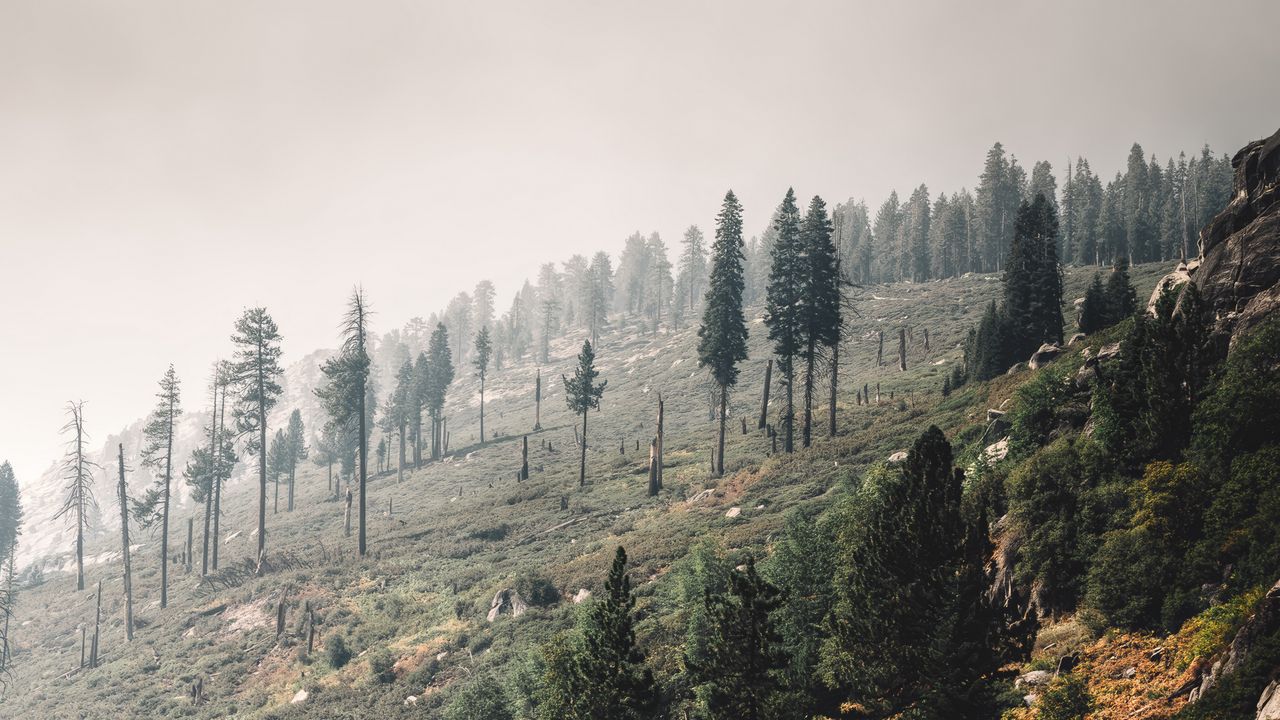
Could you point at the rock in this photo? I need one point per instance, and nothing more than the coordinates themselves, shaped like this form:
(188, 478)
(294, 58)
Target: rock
(299, 697)
(1269, 703)
(1075, 339)
(1085, 376)
(898, 457)
(581, 595)
(1030, 699)
(1016, 369)
(1261, 624)
(1239, 266)
(996, 452)
(1032, 679)
(233, 536)
(1046, 354)
(507, 602)
(411, 700)
(1107, 352)
(733, 512)
(442, 655)
(1129, 673)
(993, 414)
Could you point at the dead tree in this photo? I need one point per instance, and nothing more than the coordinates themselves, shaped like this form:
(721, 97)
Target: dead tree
(879, 348)
(190, 546)
(744, 424)
(835, 375)
(124, 550)
(346, 528)
(311, 627)
(77, 470)
(764, 400)
(926, 339)
(537, 402)
(658, 441)
(877, 393)
(653, 467)
(902, 348)
(524, 458)
(97, 627)
(280, 615)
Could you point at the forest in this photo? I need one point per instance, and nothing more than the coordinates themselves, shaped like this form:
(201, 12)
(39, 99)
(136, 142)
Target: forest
(702, 488)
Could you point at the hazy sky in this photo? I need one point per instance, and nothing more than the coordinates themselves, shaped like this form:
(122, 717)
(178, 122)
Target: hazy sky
(165, 164)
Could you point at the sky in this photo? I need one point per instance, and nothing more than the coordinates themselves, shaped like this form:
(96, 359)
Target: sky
(164, 165)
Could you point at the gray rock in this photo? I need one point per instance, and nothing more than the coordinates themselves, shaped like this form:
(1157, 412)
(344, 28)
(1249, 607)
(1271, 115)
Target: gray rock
(1269, 703)
(1033, 679)
(1046, 354)
(507, 602)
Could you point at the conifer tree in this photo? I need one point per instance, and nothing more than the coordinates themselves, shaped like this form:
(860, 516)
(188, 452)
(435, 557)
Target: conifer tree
(256, 376)
(784, 305)
(77, 471)
(225, 460)
(483, 351)
(602, 674)
(404, 405)
(722, 337)
(278, 464)
(601, 272)
(157, 454)
(297, 448)
(1093, 311)
(819, 308)
(743, 677)
(1033, 280)
(10, 512)
(439, 375)
(581, 393)
(693, 267)
(346, 394)
(1120, 298)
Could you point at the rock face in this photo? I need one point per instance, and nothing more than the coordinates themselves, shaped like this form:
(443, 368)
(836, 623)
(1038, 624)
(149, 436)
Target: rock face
(1239, 270)
(1258, 626)
(1269, 703)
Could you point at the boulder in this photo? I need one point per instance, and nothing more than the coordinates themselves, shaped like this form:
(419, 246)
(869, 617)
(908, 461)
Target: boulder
(581, 595)
(898, 457)
(1075, 339)
(996, 452)
(1108, 352)
(1261, 624)
(733, 512)
(507, 602)
(1033, 679)
(1046, 354)
(299, 697)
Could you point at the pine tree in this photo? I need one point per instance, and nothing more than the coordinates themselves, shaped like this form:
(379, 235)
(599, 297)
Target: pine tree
(1094, 314)
(483, 350)
(693, 267)
(899, 542)
(783, 308)
(743, 677)
(277, 465)
(346, 395)
(819, 307)
(885, 233)
(297, 448)
(403, 406)
(601, 272)
(1121, 299)
(256, 376)
(722, 337)
(10, 530)
(581, 393)
(77, 471)
(225, 441)
(438, 378)
(602, 674)
(1033, 281)
(157, 454)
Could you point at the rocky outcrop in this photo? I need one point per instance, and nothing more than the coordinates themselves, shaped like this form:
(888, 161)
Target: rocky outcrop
(1238, 274)
(1269, 703)
(507, 602)
(1261, 624)
(1046, 354)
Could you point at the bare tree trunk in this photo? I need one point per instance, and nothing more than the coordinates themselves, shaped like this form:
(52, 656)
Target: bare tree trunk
(902, 348)
(190, 545)
(788, 440)
(311, 627)
(835, 378)
(364, 452)
(124, 554)
(97, 626)
(262, 465)
(724, 407)
(217, 481)
(926, 339)
(659, 441)
(346, 525)
(764, 401)
(653, 467)
(524, 458)
(400, 467)
(808, 393)
(164, 526)
(582, 465)
(482, 409)
(537, 402)
(879, 348)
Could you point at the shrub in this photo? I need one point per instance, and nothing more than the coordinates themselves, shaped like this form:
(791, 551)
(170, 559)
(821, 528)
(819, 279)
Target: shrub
(1207, 632)
(382, 665)
(536, 589)
(1066, 699)
(337, 651)
(483, 699)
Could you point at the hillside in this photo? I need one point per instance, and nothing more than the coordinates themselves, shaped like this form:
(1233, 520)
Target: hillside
(462, 530)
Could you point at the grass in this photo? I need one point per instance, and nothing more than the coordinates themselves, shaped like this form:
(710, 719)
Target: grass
(464, 528)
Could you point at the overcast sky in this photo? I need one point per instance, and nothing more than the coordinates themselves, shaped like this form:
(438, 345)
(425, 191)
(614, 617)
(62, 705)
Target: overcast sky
(165, 164)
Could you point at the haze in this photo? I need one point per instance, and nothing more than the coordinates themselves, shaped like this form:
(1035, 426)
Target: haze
(163, 165)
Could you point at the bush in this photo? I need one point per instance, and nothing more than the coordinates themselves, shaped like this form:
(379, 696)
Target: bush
(483, 699)
(382, 665)
(536, 589)
(337, 651)
(1066, 699)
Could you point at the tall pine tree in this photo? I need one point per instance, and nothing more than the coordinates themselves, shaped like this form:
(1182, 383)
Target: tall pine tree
(722, 338)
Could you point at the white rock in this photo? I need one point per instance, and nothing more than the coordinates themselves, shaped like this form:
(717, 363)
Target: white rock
(299, 697)
(581, 595)
(996, 452)
(733, 512)
(898, 456)
(411, 700)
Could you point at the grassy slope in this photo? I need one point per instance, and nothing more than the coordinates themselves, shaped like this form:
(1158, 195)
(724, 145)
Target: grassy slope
(462, 529)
